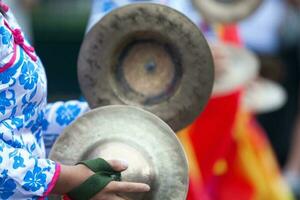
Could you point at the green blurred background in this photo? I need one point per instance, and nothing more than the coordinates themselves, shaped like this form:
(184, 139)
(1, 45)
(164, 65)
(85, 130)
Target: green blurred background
(58, 30)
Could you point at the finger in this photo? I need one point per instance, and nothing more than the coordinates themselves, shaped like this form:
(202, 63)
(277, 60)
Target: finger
(127, 187)
(118, 165)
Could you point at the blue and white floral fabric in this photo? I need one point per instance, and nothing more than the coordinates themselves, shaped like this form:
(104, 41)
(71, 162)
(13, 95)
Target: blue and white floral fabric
(58, 116)
(25, 117)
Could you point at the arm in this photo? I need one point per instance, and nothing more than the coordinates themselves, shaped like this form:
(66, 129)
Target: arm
(71, 178)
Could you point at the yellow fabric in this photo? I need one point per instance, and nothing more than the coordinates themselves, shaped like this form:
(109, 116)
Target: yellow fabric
(194, 167)
(254, 157)
(258, 162)
(220, 167)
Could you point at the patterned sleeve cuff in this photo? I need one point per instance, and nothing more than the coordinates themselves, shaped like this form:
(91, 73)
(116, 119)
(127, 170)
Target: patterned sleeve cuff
(53, 182)
(60, 115)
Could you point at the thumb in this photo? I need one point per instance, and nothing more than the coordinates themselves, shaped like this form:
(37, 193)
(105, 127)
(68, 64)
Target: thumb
(118, 165)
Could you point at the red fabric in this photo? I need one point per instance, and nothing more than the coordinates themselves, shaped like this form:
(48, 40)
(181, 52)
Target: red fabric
(211, 134)
(233, 184)
(196, 190)
(212, 138)
(65, 197)
(230, 33)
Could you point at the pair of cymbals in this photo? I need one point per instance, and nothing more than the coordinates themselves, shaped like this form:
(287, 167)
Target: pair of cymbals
(226, 11)
(152, 57)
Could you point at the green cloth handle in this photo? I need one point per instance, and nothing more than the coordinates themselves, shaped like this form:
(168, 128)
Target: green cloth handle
(97, 165)
(104, 174)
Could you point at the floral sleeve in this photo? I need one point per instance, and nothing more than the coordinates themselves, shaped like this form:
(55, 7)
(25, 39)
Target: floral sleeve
(59, 115)
(22, 175)
(24, 172)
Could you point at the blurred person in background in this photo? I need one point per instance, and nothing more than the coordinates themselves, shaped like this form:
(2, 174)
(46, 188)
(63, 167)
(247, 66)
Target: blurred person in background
(277, 43)
(260, 33)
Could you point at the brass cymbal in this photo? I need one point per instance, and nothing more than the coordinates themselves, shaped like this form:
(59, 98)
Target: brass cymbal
(150, 56)
(226, 11)
(151, 148)
(235, 67)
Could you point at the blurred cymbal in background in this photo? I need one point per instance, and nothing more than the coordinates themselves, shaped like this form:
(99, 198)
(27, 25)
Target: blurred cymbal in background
(226, 11)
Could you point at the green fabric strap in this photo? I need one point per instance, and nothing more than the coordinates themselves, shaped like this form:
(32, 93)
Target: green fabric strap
(97, 165)
(104, 174)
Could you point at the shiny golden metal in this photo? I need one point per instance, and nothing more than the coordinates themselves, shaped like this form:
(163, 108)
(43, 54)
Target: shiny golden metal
(226, 11)
(150, 56)
(151, 148)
